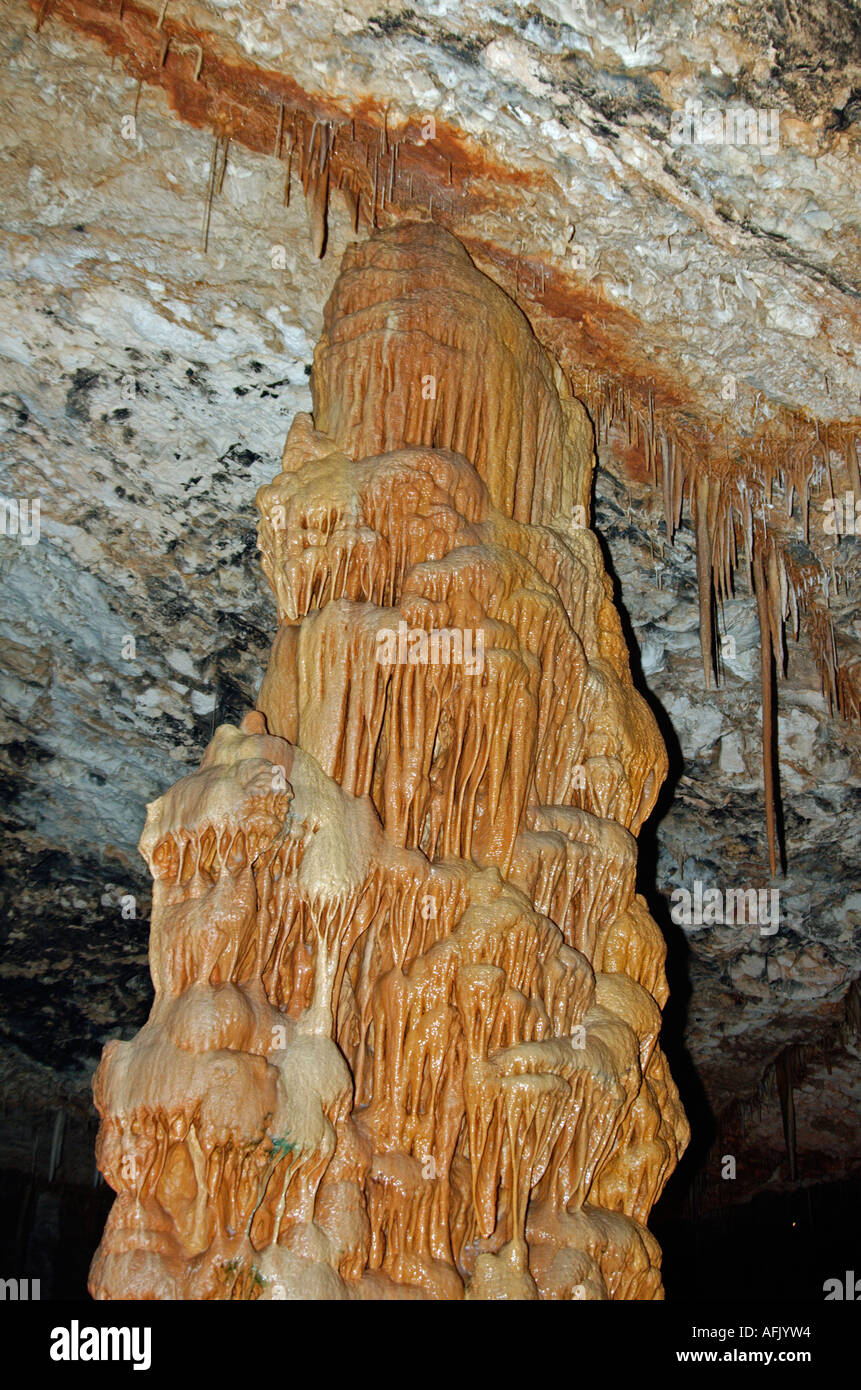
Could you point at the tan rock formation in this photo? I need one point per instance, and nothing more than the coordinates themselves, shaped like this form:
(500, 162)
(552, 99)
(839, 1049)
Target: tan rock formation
(404, 1039)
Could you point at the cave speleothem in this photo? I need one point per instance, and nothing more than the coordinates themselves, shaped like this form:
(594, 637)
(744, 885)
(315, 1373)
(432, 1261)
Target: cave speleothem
(404, 1041)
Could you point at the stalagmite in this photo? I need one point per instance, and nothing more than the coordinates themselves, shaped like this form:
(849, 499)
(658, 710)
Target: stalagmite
(404, 1041)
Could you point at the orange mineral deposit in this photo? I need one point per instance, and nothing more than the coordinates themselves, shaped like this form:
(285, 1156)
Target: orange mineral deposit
(404, 1041)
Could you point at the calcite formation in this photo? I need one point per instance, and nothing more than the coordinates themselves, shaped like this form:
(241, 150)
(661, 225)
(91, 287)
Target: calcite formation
(404, 1041)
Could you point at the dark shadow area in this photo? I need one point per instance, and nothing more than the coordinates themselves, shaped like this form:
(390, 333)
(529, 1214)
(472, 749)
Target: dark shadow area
(50, 1232)
(778, 1246)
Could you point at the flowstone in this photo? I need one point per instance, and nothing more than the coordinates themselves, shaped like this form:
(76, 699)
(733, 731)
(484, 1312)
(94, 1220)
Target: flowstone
(404, 1041)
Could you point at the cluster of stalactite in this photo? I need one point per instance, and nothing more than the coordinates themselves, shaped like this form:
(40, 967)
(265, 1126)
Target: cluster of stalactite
(404, 1041)
(375, 169)
(742, 508)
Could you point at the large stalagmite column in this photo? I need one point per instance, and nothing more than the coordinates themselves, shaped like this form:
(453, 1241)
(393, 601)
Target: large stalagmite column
(407, 1001)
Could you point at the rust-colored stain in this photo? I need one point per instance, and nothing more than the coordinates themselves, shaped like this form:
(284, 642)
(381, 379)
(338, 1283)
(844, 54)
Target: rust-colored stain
(244, 101)
(632, 458)
(584, 329)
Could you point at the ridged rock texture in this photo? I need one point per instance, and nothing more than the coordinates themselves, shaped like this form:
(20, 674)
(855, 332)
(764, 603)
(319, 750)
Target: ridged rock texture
(404, 1041)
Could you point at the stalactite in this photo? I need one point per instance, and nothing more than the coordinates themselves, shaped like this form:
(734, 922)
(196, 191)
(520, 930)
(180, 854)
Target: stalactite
(56, 1144)
(852, 463)
(784, 1072)
(726, 498)
(319, 207)
(668, 489)
(279, 134)
(704, 574)
(219, 182)
(763, 607)
(210, 192)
